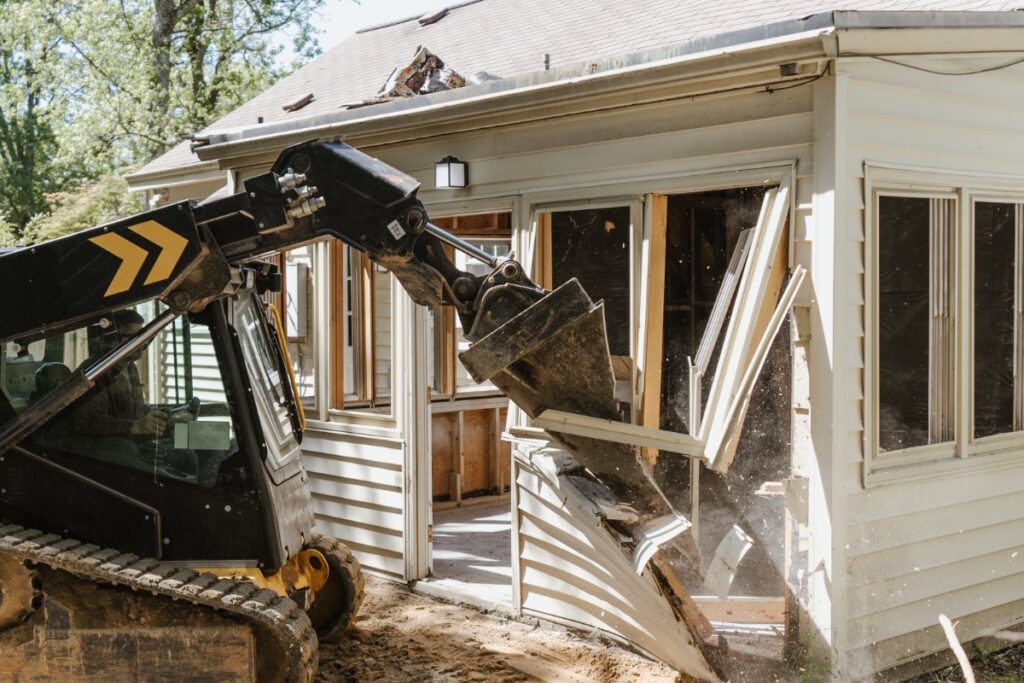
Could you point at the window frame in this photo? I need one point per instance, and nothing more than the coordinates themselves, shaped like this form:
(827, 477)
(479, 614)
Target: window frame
(444, 338)
(966, 451)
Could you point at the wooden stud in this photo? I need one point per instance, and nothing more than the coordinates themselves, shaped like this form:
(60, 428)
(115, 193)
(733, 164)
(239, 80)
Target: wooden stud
(494, 451)
(458, 458)
(650, 401)
(543, 237)
(680, 598)
(367, 320)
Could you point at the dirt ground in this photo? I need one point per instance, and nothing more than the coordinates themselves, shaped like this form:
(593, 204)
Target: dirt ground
(401, 636)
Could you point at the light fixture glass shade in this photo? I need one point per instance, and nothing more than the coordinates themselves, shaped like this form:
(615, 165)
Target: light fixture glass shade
(450, 172)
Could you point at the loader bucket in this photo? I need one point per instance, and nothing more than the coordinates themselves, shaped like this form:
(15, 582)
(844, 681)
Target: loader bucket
(554, 355)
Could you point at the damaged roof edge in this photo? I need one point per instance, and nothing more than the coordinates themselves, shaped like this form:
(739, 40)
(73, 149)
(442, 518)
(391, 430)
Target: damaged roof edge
(214, 145)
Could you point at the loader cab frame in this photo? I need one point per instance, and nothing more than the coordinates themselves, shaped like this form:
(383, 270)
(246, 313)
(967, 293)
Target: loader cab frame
(223, 485)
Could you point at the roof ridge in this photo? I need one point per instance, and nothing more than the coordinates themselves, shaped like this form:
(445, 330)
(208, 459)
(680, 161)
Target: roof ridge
(396, 22)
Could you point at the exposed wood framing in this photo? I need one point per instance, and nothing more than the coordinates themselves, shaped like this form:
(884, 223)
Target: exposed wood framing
(369, 355)
(543, 250)
(469, 455)
(650, 400)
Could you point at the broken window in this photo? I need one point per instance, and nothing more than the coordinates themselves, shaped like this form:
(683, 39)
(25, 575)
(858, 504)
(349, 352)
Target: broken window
(916, 383)
(702, 234)
(998, 276)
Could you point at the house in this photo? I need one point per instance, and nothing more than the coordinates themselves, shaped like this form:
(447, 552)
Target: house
(875, 146)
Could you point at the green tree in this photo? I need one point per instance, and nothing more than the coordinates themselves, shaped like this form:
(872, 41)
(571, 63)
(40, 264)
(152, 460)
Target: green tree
(154, 71)
(29, 163)
(90, 87)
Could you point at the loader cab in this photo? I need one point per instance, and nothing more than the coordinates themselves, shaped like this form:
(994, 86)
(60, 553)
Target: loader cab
(187, 450)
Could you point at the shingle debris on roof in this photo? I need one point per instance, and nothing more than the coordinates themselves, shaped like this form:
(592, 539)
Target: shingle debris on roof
(426, 73)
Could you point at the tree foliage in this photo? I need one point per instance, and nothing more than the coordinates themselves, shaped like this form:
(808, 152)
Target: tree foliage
(92, 86)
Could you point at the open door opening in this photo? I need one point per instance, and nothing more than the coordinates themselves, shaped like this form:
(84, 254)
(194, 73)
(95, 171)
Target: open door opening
(707, 387)
(471, 555)
(737, 577)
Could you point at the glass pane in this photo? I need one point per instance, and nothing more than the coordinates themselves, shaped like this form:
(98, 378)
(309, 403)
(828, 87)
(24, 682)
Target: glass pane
(495, 247)
(994, 242)
(164, 410)
(261, 356)
(903, 321)
(300, 320)
(592, 245)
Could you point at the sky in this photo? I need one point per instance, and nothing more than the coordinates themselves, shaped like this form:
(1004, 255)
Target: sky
(342, 18)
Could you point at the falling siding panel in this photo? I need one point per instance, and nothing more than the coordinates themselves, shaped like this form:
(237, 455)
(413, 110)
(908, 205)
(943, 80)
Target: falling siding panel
(358, 492)
(947, 539)
(572, 571)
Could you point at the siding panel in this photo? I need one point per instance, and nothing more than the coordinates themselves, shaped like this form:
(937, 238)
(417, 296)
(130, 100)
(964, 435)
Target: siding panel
(358, 495)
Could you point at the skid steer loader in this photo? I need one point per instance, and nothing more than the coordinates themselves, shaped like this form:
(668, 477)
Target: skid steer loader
(155, 520)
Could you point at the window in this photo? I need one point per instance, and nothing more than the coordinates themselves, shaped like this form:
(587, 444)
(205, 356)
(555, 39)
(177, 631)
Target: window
(998, 320)
(916, 307)
(947, 329)
(298, 298)
(492, 233)
(177, 376)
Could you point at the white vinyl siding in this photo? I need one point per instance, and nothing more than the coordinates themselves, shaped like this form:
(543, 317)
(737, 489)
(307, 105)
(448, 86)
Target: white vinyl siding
(931, 537)
(358, 495)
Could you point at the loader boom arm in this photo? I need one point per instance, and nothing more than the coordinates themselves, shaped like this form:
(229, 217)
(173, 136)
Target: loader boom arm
(545, 350)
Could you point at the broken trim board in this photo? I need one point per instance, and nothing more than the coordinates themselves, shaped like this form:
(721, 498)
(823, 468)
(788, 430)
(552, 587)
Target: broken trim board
(574, 571)
(619, 432)
(746, 309)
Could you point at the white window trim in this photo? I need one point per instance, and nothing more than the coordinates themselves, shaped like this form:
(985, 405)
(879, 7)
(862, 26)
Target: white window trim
(966, 453)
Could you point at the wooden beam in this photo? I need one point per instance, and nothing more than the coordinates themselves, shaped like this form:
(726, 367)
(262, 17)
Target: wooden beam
(650, 400)
(543, 237)
(697, 622)
(496, 473)
(366, 327)
(619, 432)
(742, 610)
(458, 459)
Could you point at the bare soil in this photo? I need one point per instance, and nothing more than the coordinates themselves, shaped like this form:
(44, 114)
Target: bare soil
(402, 636)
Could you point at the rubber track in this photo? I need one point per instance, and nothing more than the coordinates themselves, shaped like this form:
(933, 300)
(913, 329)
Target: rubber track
(237, 596)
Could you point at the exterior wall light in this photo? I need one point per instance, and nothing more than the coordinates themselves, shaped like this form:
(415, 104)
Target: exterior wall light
(450, 173)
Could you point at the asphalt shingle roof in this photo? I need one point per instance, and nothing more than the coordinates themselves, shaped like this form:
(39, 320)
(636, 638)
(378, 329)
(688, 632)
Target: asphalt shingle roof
(511, 37)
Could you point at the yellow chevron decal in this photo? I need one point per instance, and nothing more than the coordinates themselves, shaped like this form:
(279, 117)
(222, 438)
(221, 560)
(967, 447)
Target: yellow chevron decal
(172, 246)
(132, 257)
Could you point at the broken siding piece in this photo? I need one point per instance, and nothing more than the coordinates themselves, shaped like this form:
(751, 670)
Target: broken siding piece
(575, 570)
